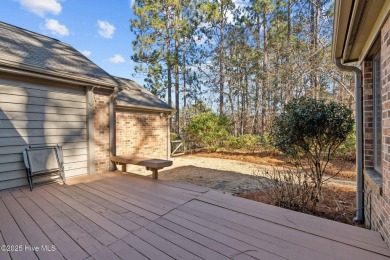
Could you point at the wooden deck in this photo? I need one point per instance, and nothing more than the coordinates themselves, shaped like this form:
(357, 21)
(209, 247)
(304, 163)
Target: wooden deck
(119, 216)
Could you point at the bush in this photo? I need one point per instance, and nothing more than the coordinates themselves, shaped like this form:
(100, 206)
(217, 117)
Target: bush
(287, 188)
(310, 132)
(208, 129)
(175, 136)
(347, 149)
(247, 141)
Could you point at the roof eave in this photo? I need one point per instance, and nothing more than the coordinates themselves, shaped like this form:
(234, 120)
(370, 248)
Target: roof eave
(36, 70)
(353, 33)
(145, 108)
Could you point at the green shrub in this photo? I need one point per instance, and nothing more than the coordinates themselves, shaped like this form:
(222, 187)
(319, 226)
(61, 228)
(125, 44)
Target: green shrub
(175, 136)
(208, 129)
(348, 148)
(247, 141)
(310, 131)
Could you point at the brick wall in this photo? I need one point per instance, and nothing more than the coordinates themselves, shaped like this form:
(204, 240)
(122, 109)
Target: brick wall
(377, 187)
(102, 133)
(141, 134)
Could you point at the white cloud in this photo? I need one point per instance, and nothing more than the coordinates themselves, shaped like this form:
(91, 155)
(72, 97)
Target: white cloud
(56, 28)
(86, 53)
(116, 59)
(41, 7)
(106, 30)
(132, 2)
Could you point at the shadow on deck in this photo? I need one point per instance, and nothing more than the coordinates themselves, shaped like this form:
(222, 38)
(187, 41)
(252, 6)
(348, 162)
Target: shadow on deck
(123, 216)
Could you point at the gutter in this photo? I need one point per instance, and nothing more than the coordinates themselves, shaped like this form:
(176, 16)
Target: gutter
(112, 126)
(359, 137)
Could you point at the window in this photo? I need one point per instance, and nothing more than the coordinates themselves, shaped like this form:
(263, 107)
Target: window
(377, 112)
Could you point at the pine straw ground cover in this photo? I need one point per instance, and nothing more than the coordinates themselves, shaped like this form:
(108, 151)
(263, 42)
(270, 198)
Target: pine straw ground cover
(338, 202)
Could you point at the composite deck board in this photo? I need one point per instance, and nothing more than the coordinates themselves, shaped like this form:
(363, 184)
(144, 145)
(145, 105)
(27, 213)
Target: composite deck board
(33, 233)
(164, 245)
(300, 237)
(114, 217)
(288, 223)
(85, 242)
(301, 220)
(257, 239)
(3, 253)
(99, 200)
(125, 251)
(183, 242)
(145, 248)
(203, 240)
(131, 207)
(134, 200)
(95, 236)
(105, 254)
(155, 187)
(230, 241)
(150, 193)
(143, 197)
(120, 216)
(98, 219)
(12, 235)
(62, 241)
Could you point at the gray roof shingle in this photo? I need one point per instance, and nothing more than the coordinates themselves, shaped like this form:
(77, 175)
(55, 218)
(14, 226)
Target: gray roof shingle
(136, 96)
(23, 49)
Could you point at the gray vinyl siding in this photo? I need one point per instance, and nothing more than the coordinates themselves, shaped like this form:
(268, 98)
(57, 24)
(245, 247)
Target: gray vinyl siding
(35, 113)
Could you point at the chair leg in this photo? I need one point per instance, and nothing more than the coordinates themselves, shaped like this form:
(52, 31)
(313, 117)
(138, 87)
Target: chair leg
(29, 178)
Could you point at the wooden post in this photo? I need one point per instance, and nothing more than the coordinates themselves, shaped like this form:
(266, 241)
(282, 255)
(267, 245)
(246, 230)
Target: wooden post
(155, 174)
(123, 167)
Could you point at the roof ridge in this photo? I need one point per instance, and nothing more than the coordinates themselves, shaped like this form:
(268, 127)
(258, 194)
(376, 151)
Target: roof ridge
(29, 31)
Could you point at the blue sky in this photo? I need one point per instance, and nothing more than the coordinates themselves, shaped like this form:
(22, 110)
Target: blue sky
(98, 28)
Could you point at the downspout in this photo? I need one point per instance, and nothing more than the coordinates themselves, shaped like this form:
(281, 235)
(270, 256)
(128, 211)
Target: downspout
(112, 126)
(359, 137)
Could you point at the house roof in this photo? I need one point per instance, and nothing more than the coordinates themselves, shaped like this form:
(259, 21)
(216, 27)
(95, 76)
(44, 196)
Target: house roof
(135, 96)
(357, 25)
(30, 51)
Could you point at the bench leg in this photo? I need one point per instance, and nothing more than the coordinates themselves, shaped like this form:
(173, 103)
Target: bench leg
(155, 174)
(123, 167)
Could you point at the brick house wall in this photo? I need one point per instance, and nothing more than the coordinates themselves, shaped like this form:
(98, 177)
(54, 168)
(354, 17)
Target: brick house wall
(102, 132)
(141, 134)
(376, 186)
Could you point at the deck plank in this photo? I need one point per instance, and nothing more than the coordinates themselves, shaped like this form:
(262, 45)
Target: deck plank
(99, 235)
(108, 214)
(303, 221)
(283, 232)
(99, 200)
(30, 229)
(125, 251)
(3, 253)
(12, 235)
(249, 236)
(145, 248)
(98, 219)
(105, 254)
(164, 245)
(213, 233)
(143, 197)
(85, 242)
(138, 202)
(140, 211)
(183, 242)
(65, 244)
(157, 188)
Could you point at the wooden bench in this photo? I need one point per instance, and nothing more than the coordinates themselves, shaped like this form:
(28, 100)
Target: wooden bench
(151, 164)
